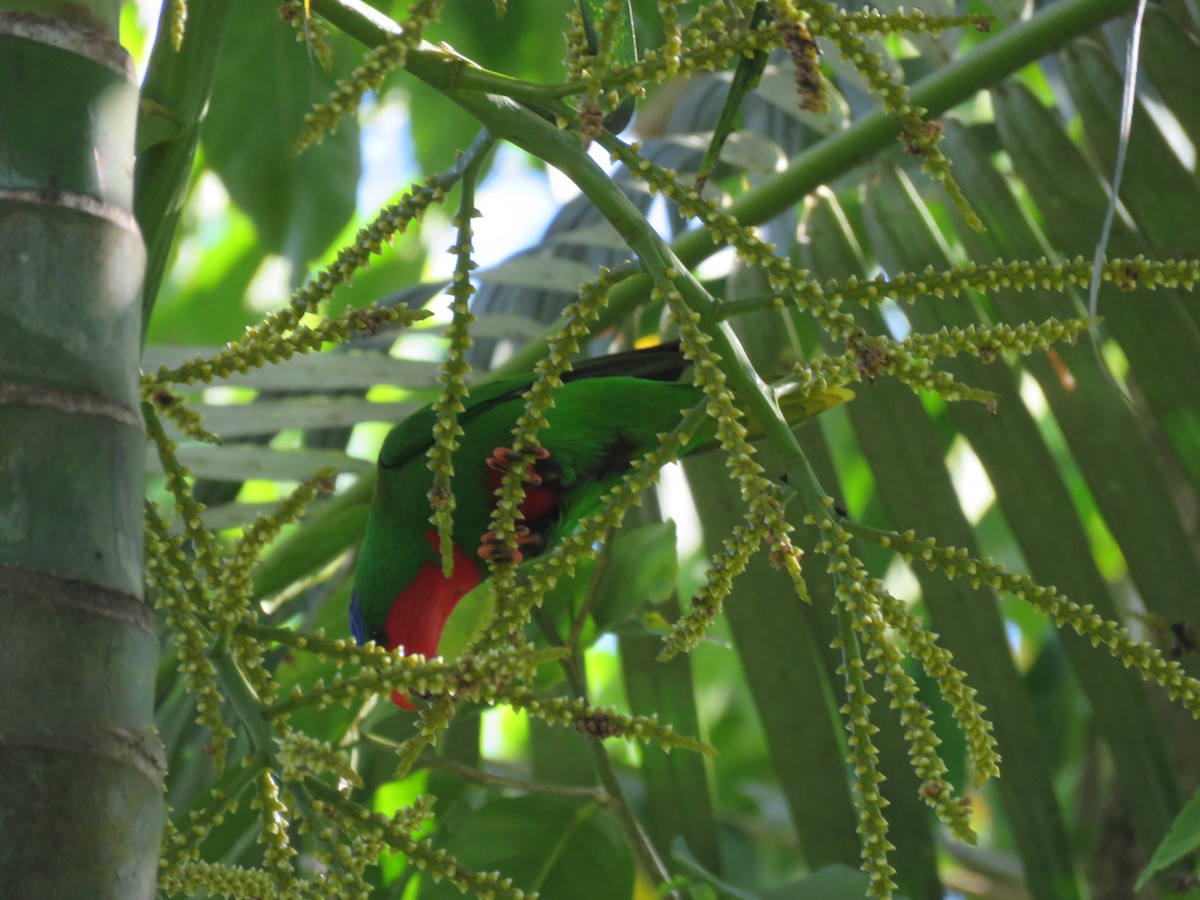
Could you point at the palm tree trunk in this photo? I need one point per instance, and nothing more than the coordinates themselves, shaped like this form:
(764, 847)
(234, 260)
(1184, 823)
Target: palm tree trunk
(81, 807)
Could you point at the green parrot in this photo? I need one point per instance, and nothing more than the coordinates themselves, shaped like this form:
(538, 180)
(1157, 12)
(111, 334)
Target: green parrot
(609, 411)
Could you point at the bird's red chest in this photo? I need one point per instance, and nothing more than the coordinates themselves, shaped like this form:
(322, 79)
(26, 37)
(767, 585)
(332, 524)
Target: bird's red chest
(420, 611)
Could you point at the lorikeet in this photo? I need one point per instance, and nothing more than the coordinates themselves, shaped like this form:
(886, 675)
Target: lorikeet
(608, 413)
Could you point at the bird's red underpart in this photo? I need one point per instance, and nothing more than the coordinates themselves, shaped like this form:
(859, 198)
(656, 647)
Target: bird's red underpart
(420, 611)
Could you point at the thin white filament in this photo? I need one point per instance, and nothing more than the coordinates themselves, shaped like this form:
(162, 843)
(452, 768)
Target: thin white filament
(1128, 98)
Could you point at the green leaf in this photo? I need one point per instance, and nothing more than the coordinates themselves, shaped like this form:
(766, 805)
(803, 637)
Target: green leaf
(682, 855)
(330, 529)
(1037, 504)
(1182, 839)
(1169, 53)
(832, 882)
(641, 569)
(304, 668)
(829, 883)
(622, 45)
(209, 307)
(545, 845)
(563, 602)
(470, 617)
(1163, 349)
(1105, 435)
(905, 452)
(264, 86)
(1160, 194)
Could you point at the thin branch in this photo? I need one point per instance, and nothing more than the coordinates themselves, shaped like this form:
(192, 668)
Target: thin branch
(489, 779)
(647, 857)
(643, 850)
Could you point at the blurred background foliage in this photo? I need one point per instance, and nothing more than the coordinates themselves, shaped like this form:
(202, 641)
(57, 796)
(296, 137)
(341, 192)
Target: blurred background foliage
(1068, 481)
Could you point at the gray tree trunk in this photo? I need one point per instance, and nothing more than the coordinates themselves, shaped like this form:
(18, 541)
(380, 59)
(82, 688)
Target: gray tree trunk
(81, 806)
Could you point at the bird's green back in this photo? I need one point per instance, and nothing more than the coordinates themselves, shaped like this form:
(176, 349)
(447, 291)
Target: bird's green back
(600, 422)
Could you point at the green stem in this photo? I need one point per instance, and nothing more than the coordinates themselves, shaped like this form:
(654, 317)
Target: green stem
(246, 703)
(983, 67)
(950, 85)
(489, 779)
(669, 274)
(372, 28)
(455, 366)
(562, 150)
